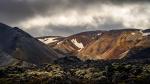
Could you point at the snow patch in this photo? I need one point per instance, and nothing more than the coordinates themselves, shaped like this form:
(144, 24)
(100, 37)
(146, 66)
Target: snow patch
(132, 33)
(99, 34)
(48, 40)
(145, 33)
(79, 45)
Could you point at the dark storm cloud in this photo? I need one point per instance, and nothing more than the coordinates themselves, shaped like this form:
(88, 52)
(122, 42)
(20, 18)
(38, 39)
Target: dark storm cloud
(17, 10)
(24, 13)
(12, 11)
(69, 30)
(57, 30)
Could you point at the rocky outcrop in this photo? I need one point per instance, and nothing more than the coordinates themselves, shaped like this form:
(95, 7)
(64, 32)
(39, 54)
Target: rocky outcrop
(141, 50)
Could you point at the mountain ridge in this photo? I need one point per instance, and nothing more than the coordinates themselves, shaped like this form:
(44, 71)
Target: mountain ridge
(112, 44)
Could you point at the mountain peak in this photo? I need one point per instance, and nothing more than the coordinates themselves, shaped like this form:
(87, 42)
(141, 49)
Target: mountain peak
(4, 27)
(21, 46)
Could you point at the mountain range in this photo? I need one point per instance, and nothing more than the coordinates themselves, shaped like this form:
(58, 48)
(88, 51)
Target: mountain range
(94, 45)
(18, 47)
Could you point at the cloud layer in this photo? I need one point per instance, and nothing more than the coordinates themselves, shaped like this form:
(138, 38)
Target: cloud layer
(65, 17)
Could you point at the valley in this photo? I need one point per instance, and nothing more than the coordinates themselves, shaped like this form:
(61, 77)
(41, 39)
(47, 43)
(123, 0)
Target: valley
(90, 57)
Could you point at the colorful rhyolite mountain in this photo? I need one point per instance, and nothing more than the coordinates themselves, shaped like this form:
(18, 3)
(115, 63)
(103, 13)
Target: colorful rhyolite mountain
(113, 44)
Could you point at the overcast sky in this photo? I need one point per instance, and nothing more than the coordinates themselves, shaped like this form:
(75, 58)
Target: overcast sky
(66, 17)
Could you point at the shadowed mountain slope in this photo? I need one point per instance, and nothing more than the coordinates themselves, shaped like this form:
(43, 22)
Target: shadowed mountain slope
(17, 44)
